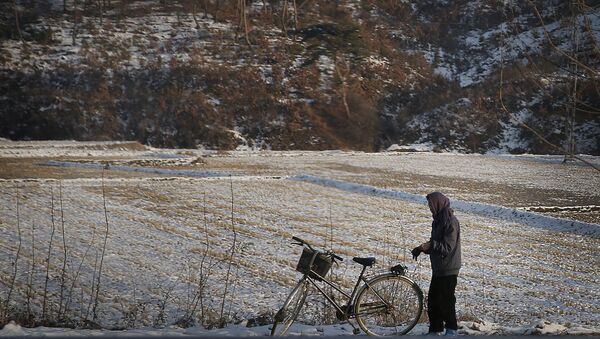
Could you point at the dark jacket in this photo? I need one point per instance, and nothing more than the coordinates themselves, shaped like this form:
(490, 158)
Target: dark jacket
(445, 254)
(444, 251)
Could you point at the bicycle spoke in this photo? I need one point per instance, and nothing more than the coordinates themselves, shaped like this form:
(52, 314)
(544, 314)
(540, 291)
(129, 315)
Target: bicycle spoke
(390, 305)
(288, 313)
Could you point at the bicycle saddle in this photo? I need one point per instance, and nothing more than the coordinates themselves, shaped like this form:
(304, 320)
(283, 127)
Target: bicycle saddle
(367, 262)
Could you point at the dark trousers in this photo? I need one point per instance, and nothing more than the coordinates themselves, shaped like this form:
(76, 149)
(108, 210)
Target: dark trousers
(441, 303)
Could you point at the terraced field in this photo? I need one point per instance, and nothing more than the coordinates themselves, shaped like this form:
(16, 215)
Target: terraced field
(183, 223)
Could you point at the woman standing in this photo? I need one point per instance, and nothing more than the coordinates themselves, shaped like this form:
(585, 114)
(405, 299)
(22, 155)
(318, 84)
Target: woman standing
(445, 255)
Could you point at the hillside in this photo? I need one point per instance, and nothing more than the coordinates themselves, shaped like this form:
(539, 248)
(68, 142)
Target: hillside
(466, 76)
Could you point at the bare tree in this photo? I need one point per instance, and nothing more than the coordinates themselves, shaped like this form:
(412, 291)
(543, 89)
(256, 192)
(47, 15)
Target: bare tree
(284, 17)
(216, 10)
(295, 15)
(205, 8)
(101, 4)
(75, 27)
(343, 79)
(576, 70)
(17, 23)
(194, 5)
(243, 20)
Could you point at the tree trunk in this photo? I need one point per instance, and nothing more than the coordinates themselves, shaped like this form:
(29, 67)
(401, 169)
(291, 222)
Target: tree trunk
(217, 7)
(194, 10)
(284, 13)
(295, 16)
(245, 21)
(74, 32)
(101, 8)
(205, 3)
(17, 23)
(344, 85)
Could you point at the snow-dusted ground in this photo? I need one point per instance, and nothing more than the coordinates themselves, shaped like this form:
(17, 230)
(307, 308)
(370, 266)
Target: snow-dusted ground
(519, 276)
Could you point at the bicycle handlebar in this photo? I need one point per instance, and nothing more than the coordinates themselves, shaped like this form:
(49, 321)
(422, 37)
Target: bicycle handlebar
(301, 242)
(304, 242)
(335, 256)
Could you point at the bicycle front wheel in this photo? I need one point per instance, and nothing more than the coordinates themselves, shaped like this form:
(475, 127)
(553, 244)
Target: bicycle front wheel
(290, 309)
(389, 304)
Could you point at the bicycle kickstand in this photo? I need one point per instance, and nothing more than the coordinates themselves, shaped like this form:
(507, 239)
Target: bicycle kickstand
(355, 330)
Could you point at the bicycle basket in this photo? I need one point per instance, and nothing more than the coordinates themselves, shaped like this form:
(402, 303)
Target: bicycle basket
(320, 267)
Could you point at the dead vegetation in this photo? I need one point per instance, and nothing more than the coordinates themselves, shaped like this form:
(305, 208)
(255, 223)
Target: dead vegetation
(165, 225)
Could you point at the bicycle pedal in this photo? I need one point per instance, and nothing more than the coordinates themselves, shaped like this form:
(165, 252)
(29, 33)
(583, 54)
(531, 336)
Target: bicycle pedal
(356, 331)
(398, 269)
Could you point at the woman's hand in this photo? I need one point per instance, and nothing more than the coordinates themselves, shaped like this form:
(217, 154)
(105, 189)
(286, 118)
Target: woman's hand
(423, 248)
(426, 247)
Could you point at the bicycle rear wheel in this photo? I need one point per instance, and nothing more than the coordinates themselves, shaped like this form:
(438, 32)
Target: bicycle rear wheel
(389, 304)
(290, 309)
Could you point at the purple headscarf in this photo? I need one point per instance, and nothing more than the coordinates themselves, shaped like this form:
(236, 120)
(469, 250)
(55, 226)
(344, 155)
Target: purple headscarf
(440, 207)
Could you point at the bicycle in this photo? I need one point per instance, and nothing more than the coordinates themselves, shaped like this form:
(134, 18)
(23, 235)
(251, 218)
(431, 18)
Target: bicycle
(386, 304)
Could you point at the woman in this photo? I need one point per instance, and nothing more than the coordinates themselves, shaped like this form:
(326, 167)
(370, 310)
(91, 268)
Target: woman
(444, 252)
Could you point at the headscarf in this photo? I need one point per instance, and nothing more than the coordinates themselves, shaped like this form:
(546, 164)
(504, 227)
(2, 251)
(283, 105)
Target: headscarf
(440, 208)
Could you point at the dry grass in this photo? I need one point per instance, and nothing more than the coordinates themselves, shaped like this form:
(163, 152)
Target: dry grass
(162, 219)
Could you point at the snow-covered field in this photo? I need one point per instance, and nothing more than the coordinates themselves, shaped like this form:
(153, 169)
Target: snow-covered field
(173, 216)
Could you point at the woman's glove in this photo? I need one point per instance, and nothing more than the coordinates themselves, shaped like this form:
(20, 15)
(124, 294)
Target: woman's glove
(415, 252)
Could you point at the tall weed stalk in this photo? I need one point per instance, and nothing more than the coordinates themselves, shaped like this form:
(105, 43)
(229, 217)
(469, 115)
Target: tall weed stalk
(45, 300)
(94, 310)
(200, 279)
(230, 263)
(77, 272)
(63, 274)
(17, 255)
(30, 278)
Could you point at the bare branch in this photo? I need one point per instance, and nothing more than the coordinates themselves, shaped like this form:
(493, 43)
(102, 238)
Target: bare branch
(593, 72)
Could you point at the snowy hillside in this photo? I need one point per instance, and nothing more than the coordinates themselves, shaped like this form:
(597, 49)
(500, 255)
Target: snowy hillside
(530, 244)
(350, 74)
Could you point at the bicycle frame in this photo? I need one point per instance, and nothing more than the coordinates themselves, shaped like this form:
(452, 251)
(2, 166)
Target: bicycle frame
(347, 313)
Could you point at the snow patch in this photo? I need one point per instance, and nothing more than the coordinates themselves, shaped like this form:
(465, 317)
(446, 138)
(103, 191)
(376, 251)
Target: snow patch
(423, 147)
(488, 210)
(12, 330)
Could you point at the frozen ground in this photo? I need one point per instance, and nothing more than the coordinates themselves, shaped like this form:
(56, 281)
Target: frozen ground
(170, 224)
